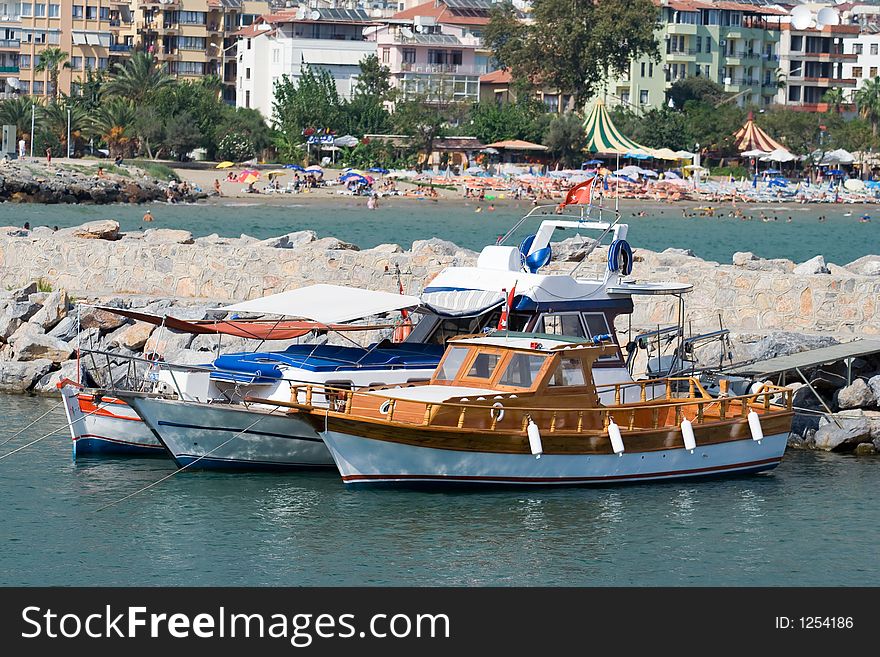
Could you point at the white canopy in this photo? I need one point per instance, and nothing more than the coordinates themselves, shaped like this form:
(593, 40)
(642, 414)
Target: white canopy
(684, 155)
(839, 156)
(778, 155)
(328, 304)
(755, 152)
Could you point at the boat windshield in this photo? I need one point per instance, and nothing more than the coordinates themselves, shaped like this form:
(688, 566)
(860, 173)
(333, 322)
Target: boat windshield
(452, 363)
(570, 372)
(483, 366)
(522, 370)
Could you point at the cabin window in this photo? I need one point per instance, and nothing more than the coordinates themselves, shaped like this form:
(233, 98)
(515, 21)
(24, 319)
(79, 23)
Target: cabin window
(596, 324)
(484, 365)
(521, 370)
(340, 385)
(568, 324)
(570, 372)
(452, 363)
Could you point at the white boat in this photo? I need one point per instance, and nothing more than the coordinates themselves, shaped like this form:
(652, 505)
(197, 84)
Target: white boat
(523, 409)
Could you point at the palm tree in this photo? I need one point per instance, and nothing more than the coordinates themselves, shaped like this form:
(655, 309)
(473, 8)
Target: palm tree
(114, 122)
(835, 99)
(17, 111)
(137, 78)
(52, 60)
(54, 120)
(867, 99)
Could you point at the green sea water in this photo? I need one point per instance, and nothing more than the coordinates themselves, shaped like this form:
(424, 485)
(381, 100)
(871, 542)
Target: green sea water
(840, 238)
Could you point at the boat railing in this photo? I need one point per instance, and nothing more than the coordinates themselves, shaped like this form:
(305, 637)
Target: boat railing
(488, 412)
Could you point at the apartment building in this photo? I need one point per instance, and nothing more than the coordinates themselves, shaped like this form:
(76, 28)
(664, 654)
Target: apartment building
(735, 44)
(814, 60)
(435, 50)
(284, 43)
(865, 63)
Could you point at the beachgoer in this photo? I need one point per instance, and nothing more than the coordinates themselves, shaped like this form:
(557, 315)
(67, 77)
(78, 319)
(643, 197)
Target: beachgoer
(54, 228)
(217, 187)
(27, 225)
(372, 202)
(148, 216)
(21, 149)
(48, 156)
(101, 172)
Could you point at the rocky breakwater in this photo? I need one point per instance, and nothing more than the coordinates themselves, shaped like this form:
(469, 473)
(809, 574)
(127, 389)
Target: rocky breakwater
(37, 182)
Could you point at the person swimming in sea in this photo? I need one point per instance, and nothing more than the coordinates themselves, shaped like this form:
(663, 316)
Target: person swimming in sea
(865, 219)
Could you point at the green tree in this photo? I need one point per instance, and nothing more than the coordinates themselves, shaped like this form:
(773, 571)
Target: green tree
(17, 111)
(664, 128)
(573, 45)
(526, 119)
(182, 135)
(835, 99)
(53, 120)
(802, 133)
(52, 60)
(138, 78)
(698, 88)
(113, 122)
(566, 139)
(90, 90)
(149, 126)
(249, 123)
(310, 102)
(374, 79)
(713, 127)
(423, 122)
(199, 101)
(867, 99)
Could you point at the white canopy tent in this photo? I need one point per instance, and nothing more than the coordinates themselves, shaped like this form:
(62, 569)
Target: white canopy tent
(755, 152)
(838, 156)
(779, 155)
(327, 304)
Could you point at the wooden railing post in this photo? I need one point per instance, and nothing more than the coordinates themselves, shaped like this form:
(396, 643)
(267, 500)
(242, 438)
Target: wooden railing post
(461, 417)
(643, 393)
(580, 421)
(668, 389)
(428, 408)
(617, 394)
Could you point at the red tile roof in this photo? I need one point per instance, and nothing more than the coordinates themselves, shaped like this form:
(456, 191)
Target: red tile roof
(501, 76)
(441, 13)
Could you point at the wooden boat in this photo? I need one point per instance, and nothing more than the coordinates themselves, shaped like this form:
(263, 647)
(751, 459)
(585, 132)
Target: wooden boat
(513, 408)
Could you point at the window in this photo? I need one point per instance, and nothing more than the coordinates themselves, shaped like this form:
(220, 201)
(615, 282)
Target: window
(699, 46)
(78, 11)
(452, 363)
(247, 74)
(596, 324)
(409, 55)
(873, 73)
(54, 11)
(484, 365)
(39, 87)
(797, 43)
(24, 61)
(643, 69)
(90, 63)
(76, 63)
(564, 324)
(552, 102)
(276, 55)
(643, 96)
(25, 86)
(191, 17)
(569, 373)
(386, 55)
(247, 98)
(857, 71)
(794, 94)
(102, 63)
(40, 10)
(193, 43)
(874, 48)
(857, 49)
(708, 45)
(651, 70)
(521, 370)
(26, 9)
(104, 13)
(91, 12)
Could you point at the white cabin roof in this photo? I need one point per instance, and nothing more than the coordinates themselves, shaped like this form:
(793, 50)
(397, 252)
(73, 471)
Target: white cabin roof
(433, 393)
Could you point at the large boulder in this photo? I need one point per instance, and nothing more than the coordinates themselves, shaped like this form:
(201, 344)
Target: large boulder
(103, 320)
(868, 265)
(855, 395)
(8, 326)
(843, 435)
(165, 343)
(24, 293)
(48, 383)
(131, 336)
(30, 343)
(291, 240)
(435, 246)
(874, 387)
(784, 343)
(64, 330)
(167, 236)
(812, 266)
(19, 377)
(102, 229)
(333, 244)
(53, 311)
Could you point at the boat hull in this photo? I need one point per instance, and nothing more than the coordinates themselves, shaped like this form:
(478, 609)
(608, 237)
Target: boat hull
(106, 425)
(214, 436)
(367, 460)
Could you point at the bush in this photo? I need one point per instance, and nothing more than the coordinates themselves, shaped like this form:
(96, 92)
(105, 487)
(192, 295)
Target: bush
(738, 171)
(236, 147)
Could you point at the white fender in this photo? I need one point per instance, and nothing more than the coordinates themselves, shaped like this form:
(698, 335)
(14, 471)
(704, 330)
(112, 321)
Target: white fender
(535, 443)
(616, 438)
(755, 426)
(687, 432)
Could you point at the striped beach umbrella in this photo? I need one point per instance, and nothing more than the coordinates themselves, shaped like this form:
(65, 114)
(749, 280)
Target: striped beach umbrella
(750, 137)
(604, 137)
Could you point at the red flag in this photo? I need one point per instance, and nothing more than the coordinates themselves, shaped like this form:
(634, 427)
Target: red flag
(580, 194)
(505, 308)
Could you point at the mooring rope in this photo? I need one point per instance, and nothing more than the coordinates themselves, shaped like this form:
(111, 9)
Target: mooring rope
(179, 470)
(22, 430)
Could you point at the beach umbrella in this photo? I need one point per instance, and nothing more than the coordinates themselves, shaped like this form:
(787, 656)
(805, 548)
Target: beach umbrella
(225, 165)
(590, 163)
(315, 169)
(294, 167)
(248, 177)
(276, 172)
(381, 170)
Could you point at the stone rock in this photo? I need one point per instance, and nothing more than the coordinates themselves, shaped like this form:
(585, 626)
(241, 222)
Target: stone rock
(855, 395)
(53, 311)
(812, 266)
(19, 377)
(48, 383)
(436, 246)
(30, 343)
(743, 258)
(22, 310)
(684, 252)
(165, 343)
(783, 343)
(188, 357)
(874, 387)
(387, 248)
(834, 438)
(291, 240)
(167, 236)
(132, 336)
(333, 244)
(38, 298)
(64, 330)
(8, 326)
(868, 265)
(103, 320)
(102, 229)
(864, 449)
(24, 293)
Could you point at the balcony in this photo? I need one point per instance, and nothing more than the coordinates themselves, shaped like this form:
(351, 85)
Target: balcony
(9, 69)
(679, 54)
(681, 28)
(443, 68)
(120, 47)
(834, 56)
(831, 82)
(9, 44)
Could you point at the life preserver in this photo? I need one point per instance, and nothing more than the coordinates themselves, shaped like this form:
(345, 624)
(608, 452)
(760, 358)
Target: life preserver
(402, 331)
(620, 257)
(497, 411)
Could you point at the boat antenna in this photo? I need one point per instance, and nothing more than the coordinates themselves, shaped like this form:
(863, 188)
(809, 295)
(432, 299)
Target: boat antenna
(617, 188)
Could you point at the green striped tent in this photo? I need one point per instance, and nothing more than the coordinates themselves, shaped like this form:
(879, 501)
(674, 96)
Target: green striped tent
(604, 137)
